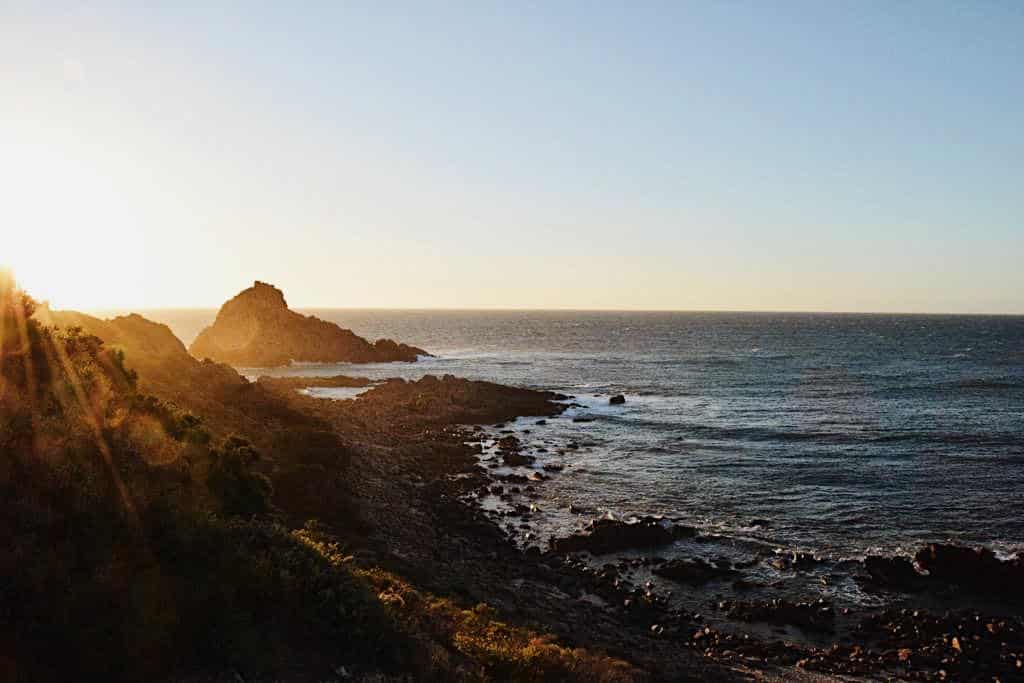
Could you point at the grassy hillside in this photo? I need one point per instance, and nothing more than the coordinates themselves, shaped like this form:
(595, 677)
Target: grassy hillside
(142, 541)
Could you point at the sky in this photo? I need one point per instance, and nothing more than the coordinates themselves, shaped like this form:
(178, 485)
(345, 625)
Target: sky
(837, 156)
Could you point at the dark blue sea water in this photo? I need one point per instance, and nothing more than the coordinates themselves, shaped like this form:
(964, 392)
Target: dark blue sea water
(846, 434)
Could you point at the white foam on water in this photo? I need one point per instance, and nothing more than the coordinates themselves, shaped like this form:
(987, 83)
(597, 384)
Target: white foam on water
(335, 393)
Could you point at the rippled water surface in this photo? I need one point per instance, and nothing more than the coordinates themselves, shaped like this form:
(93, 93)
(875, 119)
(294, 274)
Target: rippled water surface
(845, 433)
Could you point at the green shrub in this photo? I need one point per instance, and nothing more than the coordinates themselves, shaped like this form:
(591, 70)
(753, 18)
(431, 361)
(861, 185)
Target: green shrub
(240, 491)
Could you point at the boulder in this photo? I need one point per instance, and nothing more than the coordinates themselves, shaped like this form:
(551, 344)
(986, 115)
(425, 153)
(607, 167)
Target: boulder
(794, 560)
(810, 616)
(510, 449)
(617, 400)
(977, 569)
(509, 443)
(516, 459)
(609, 535)
(694, 571)
(896, 572)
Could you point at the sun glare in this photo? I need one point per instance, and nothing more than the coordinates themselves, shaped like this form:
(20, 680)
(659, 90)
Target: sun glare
(67, 233)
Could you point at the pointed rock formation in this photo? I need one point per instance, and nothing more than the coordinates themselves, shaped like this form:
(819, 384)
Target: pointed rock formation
(257, 329)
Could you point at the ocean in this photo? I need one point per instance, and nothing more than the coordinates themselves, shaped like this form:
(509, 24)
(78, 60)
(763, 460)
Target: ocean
(838, 434)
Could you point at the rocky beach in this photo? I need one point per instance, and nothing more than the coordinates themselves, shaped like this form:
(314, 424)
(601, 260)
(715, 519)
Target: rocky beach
(708, 613)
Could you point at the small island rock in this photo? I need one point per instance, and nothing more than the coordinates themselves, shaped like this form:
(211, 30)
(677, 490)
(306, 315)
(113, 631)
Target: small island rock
(257, 329)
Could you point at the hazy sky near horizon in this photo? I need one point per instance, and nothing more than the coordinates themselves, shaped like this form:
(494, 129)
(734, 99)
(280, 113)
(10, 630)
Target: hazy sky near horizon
(862, 156)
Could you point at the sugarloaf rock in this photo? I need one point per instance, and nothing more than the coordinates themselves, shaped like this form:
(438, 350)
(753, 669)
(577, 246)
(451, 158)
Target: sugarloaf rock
(256, 328)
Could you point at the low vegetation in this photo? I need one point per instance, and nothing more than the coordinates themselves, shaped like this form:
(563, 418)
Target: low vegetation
(137, 545)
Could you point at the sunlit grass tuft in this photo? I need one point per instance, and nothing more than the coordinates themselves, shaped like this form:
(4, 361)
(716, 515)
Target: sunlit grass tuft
(472, 643)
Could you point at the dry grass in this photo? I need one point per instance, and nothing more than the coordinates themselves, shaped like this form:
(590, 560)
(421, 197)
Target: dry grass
(473, 644)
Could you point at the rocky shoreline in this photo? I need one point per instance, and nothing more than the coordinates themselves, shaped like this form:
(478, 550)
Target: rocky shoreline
(629, 586)
(921, 621)
(440, 481)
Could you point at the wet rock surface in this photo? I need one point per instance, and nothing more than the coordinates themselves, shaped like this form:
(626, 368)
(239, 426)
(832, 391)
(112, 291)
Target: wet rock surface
(795, 561)
(335, 381)
(511, 452)
(814, 616)
(695, 571)
(609, 535)
(896, 572)
(977, 569)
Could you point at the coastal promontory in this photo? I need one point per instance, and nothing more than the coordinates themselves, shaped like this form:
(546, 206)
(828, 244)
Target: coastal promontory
(256, 328)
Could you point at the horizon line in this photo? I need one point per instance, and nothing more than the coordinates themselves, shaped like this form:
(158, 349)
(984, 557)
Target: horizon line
(511, 309)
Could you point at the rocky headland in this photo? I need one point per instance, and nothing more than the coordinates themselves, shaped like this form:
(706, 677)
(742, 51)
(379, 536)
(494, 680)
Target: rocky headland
(429, 490)
(160, 359)
(257, 329)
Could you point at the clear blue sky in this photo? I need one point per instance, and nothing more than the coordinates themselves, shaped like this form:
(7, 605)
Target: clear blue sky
(727, 155)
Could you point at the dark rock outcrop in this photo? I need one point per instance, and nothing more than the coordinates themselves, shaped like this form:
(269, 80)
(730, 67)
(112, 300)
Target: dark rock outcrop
(794, 561)
(810, 616)
(893, 572)
(511, 452)
(256, 328)
(336, 381)
(398, 404)
(977, 569)
(617, 400)
(516, 459)
(609, 535)
(694, 571)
